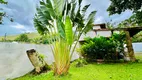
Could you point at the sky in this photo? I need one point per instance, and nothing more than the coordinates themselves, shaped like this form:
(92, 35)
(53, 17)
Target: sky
(23, 11)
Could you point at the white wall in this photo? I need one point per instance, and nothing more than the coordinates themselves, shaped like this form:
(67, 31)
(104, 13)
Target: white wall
(96, 27)
(91, 34)
(14, 61)
(104, 33)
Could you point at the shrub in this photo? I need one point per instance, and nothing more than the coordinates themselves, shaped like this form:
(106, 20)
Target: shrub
(103, 48)
(22, 38)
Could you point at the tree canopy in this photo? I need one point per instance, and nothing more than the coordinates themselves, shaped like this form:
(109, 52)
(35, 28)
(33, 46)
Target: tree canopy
(119, 6)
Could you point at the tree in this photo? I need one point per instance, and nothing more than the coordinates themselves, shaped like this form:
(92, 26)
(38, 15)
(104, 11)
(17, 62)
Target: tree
(119, 6)
(60, 17)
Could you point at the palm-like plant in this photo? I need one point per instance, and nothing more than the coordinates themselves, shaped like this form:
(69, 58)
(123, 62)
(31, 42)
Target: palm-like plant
(59, 17)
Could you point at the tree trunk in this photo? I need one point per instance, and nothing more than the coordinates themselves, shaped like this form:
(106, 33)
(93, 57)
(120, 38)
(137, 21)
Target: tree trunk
(129, 46)
(37, 61)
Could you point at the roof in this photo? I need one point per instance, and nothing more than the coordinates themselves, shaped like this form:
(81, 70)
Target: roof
(103, 25)
(99, 24)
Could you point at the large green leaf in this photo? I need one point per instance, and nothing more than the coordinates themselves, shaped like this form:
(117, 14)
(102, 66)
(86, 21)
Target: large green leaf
(60, 27)
(68, 30)
(73, 7)
(48, 7)
(44, 16)
(59, 6)
(79, 1)
(89, 23)
(84, 9)
(40, 27)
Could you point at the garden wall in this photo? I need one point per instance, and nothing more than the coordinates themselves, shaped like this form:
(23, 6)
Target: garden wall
(14, 61)
(137, 47)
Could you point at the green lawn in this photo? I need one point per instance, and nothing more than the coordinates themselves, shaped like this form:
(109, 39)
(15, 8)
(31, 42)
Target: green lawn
(112, 71)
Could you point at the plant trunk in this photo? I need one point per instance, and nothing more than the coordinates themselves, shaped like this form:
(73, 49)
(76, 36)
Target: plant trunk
(130, 47)
(39, 64)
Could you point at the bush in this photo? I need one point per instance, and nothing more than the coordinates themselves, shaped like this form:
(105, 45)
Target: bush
(22, 38)
(97, 48)
(103, 48)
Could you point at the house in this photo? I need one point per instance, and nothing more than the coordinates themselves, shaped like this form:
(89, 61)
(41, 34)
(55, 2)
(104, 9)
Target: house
(98, 30)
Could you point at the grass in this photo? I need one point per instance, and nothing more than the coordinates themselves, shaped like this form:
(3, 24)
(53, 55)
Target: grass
(12, 37)
(112, 71)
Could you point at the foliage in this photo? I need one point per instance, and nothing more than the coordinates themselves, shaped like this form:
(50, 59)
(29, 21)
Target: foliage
(22, 38)
(40, 40)
(42, 56)
(81, 62)
(119, 6)
(122, 5)
(137, 37)
(97, 48)
(102, 48)
(119, 40)
(131, 22)
(59, 17)
(109, 25)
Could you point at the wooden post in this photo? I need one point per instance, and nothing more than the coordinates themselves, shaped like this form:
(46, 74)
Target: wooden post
(129, 46)
(38, 63)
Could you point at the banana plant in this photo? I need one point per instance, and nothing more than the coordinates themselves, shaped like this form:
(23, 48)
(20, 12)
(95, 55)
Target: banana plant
(60, 17)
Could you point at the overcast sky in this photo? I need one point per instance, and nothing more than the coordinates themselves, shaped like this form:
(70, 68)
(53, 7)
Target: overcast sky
(22, 11)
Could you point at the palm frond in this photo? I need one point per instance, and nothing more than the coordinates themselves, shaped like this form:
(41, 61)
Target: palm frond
(89, 22)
